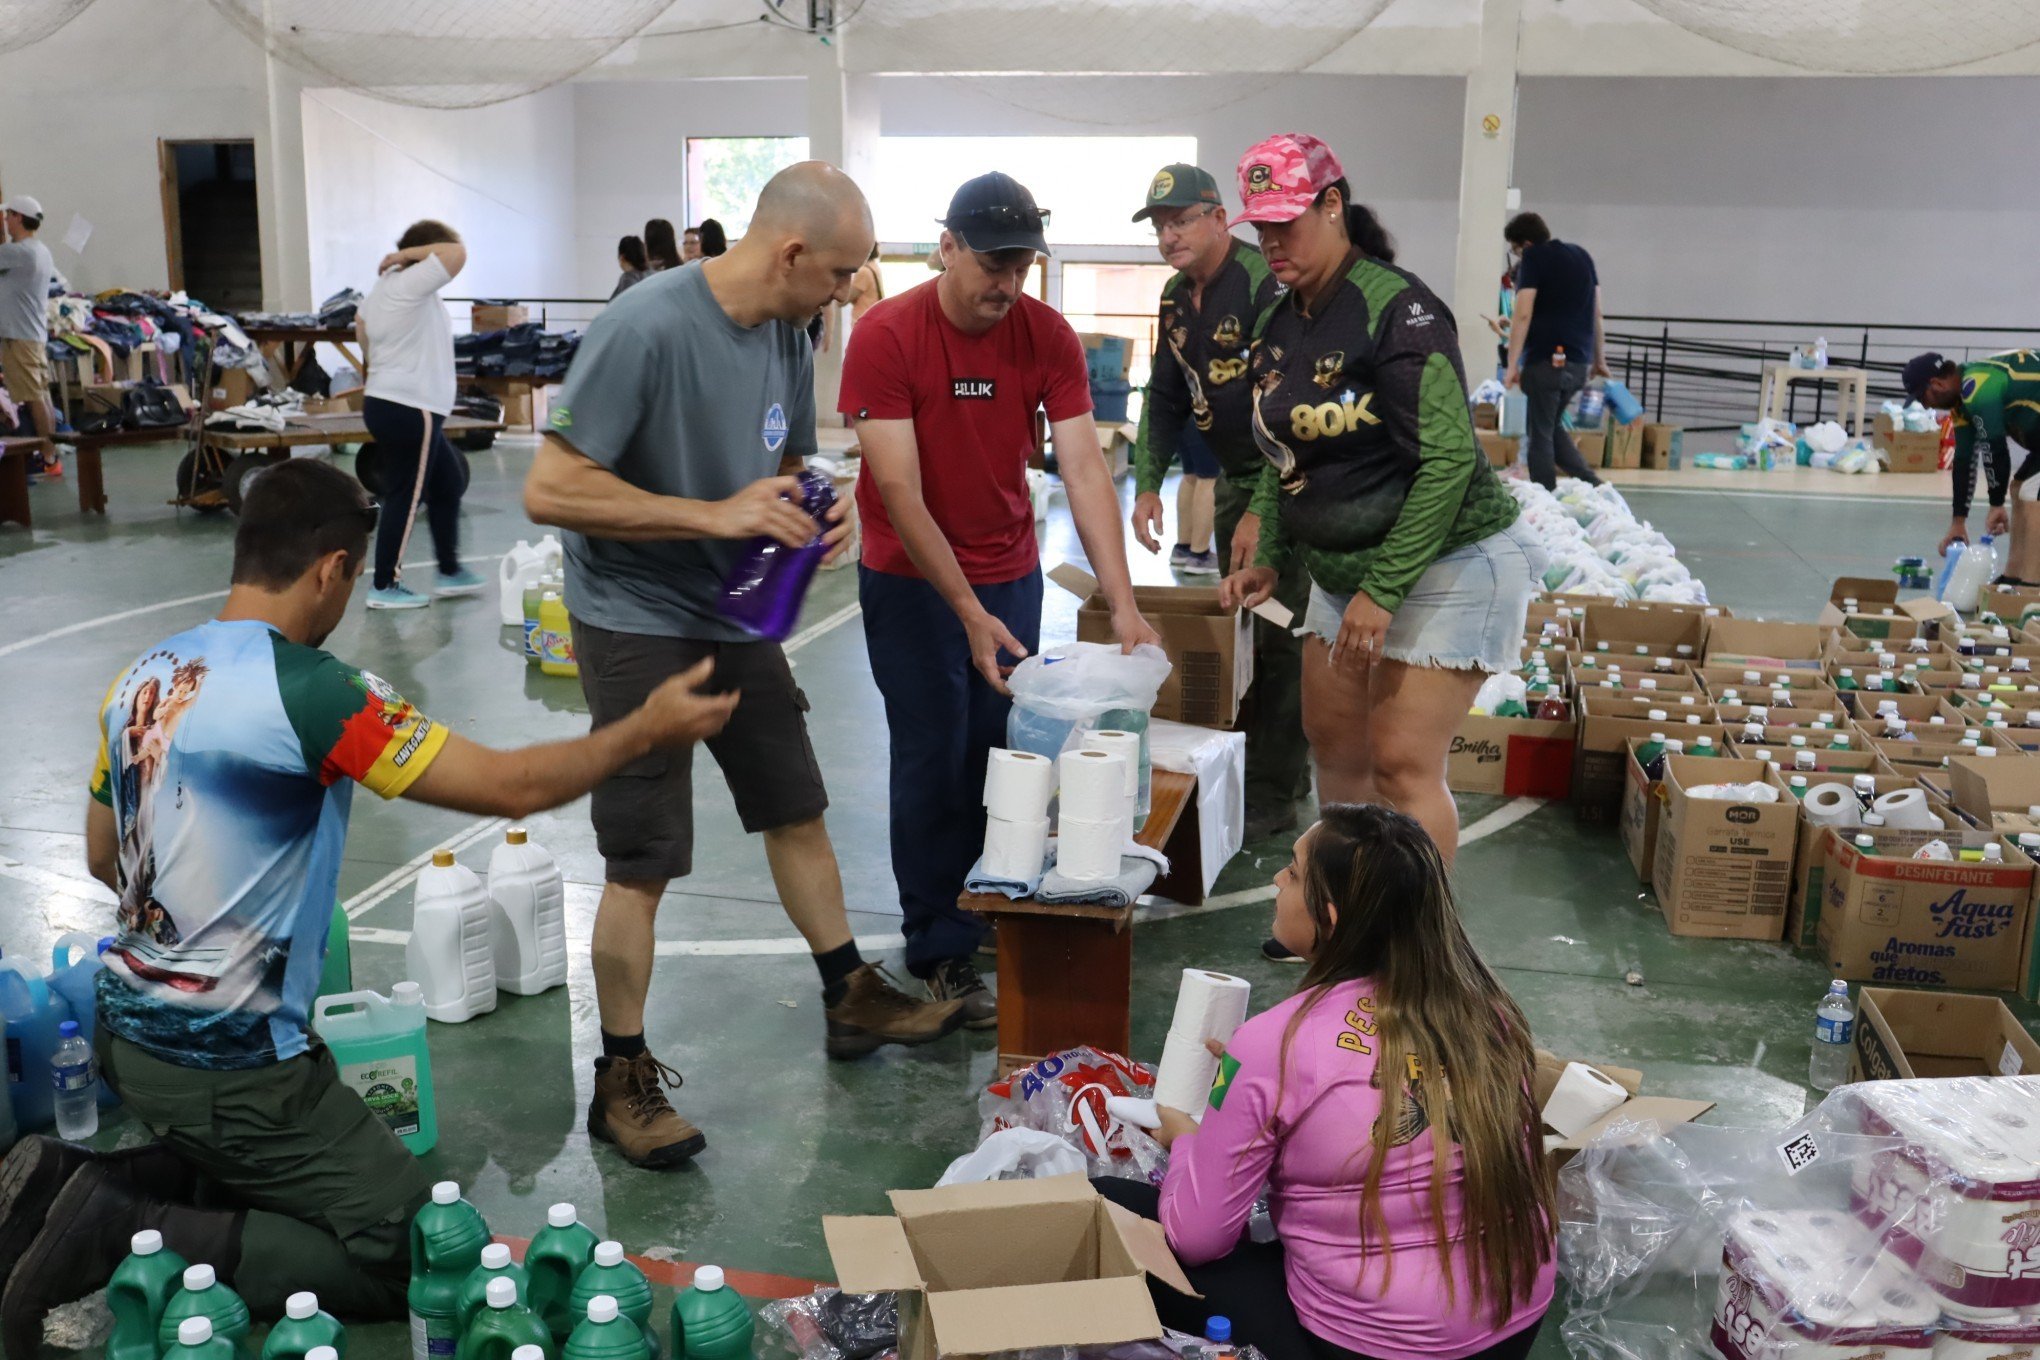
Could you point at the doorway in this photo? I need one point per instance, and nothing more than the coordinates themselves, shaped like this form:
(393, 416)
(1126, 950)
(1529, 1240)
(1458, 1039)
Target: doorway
(212, 233)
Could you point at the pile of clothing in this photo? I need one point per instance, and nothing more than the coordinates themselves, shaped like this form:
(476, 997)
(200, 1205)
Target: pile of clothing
(526, 351)
(269, 412)
(115, 323)
(336, 313)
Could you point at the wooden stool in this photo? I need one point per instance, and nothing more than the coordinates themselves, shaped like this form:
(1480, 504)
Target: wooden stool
(1778, 380)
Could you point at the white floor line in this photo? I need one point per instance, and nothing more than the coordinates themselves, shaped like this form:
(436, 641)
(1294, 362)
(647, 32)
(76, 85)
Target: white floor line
(394, 882)
(1780, 495)
(84, 625)
(49, 881)
(1501, 819)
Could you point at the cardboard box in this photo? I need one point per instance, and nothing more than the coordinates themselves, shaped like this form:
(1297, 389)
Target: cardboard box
(1663, 630)
(1983, 786)
(1663, 1111)
(496, 316)
(1212, 647)
(1764, 645)
(1907, 450)
(1663, 446)
(1592, 445)
(1642, 806)
(232, 387)
(1809, 872)
(1926, 923)
(1499, 448)
(1607, 722)
(1722, 869)
(96, 397)
(1623, 446)
(1903, 1035)
(1107, 356)
(1007, 1265)
(1487, 416)
(1512, 757)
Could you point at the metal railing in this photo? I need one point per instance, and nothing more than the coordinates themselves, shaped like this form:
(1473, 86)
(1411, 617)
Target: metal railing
(1706, 373)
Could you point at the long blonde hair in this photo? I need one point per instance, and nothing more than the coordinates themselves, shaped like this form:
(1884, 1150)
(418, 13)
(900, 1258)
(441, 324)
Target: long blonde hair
(1453, 1057)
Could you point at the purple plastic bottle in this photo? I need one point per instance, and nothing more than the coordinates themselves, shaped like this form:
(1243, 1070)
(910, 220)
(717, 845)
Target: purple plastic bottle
(763, 595)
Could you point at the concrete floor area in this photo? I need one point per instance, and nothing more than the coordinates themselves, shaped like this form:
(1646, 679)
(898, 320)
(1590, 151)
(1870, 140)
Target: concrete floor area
(735, 1005)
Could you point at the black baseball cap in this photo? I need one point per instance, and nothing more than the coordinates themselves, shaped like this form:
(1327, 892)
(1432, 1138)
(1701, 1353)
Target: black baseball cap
(995, 212)
(1918, 372)
(1179, 186)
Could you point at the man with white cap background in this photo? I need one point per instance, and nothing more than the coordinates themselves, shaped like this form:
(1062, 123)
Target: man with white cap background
(25, 273)
(943, 381)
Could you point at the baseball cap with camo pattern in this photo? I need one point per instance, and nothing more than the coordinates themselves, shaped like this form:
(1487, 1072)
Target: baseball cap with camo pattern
(1282, 176)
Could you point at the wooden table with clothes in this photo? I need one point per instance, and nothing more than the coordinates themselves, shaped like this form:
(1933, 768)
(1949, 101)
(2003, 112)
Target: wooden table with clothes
(287, 347)
(1066, 970)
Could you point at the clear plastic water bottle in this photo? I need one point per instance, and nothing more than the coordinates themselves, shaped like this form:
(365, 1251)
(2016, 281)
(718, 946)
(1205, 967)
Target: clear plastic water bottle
(1834, 1025)
(76, 1078)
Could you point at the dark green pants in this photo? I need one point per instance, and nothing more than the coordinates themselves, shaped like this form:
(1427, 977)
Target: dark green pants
(325, 1190)
(1278, 757)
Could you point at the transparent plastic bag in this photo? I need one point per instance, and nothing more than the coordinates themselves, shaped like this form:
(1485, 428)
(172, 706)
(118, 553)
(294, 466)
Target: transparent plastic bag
(1065, 1094)
(1063, 688)
(831, 1325)
(1899, 1215)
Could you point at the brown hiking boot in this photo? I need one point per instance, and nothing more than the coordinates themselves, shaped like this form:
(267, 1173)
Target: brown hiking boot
(873, 1012)
(958, 980)
(630, 1110)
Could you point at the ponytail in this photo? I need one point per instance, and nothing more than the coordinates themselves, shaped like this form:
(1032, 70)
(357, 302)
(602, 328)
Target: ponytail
(1363, 228)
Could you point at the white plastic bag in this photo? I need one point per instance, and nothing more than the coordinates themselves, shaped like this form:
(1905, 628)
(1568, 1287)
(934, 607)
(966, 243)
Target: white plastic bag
(1015, 1155)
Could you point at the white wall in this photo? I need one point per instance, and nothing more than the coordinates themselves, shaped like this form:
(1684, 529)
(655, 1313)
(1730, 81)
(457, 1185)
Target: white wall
(1790, 199)
(502, 176)
(83, 111)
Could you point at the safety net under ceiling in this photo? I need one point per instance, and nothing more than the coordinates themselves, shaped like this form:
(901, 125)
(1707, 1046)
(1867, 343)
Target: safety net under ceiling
(1867, 37)
(25, 21)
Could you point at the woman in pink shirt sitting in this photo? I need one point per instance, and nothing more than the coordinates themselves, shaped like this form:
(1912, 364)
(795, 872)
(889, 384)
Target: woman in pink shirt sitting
(1412, 1223)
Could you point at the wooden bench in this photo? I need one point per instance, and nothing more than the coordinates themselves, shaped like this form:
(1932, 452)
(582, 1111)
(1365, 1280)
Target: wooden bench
(14, 457)
(1066, 972)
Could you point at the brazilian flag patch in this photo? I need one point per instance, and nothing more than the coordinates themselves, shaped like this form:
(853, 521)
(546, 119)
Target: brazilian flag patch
(1221, 1081)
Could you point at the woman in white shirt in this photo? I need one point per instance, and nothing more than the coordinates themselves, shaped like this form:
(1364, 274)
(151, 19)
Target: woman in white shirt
(407, 343)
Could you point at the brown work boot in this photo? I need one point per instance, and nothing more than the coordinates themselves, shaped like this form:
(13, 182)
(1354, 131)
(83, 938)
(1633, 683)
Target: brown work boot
(873, 1012)
(630, 1110)
(958, 980)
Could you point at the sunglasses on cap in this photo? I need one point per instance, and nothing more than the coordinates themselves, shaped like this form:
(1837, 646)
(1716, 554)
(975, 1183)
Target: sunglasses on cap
(1004, 217)
(367, 514)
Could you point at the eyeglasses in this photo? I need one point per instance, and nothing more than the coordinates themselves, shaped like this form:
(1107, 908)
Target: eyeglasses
(1181, 224)
(1004, 216)
(368, 514)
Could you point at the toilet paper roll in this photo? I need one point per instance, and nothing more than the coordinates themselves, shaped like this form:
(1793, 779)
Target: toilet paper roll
(1093, 786)
(1126, 745)
(1015, 850)
(1907, 810)
(1018, 785)
(1583, 1094)
(1087, 850)
(1833, 805)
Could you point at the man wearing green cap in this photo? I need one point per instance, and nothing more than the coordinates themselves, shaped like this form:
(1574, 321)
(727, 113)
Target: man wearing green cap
(1209, 307)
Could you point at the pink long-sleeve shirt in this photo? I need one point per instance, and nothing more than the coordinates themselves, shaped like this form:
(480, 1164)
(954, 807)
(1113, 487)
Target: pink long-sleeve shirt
(1314, 1161)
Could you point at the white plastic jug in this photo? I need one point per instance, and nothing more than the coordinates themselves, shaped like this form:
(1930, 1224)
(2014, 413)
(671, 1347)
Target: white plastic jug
(555, 556)
(1971, 573)
(528, 916)
(449, 955)
(521, 567)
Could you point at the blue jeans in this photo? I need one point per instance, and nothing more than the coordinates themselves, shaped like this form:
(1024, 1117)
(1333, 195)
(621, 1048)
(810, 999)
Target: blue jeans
(943, 721)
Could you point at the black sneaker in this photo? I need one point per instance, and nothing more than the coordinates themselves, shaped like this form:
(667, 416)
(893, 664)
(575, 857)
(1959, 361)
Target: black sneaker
(958, 980)
(1275, 951)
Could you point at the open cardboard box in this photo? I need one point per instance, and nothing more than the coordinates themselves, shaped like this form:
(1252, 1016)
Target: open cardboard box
(1889, 918)
(1512, 757)
(1643, 802)
(1008, 1265)
(1764, 645)
(1901, 1035)
(1212, 647)
(1723, 869)
(1665, 631)
(1664, 1111)
(1809, 870)
(1608, 719)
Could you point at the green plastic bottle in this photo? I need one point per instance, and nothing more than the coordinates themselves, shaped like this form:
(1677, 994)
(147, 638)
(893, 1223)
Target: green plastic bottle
(336, 975)
(608, 1273)
(605, 1334)
(1846, 680)
(447, 1238)
(554, 1261)
(203, 1296)
(503, 1327)
(304, 1329)
(195, 1341)
(1703, 746)
(138, 1293)
(710, 1320)
(475, 1289)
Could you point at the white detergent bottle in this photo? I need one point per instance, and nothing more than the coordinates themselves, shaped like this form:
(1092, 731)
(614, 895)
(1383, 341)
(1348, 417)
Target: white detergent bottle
(1972, 572)
(555, 556)
(520, 568)
(449, 956)
(527, 916)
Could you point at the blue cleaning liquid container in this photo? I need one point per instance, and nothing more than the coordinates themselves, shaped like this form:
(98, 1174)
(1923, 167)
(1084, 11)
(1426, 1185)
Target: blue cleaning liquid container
(1626, 409)
(33, 1012)
(75, 965)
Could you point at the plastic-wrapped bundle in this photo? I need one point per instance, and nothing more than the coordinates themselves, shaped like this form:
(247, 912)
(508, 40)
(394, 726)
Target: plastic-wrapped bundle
(1065, 1094)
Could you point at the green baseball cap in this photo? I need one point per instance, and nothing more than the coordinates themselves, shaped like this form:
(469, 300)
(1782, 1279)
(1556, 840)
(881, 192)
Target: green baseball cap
(1179, 186)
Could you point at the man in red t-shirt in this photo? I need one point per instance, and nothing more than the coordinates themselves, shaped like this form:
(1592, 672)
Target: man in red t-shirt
(943, 382)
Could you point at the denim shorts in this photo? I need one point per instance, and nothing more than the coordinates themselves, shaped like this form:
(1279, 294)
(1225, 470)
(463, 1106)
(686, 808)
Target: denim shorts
(1466, 611)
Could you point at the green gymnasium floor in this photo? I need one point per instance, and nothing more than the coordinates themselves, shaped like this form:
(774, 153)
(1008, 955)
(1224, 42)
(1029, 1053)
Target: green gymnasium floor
(734, 1003)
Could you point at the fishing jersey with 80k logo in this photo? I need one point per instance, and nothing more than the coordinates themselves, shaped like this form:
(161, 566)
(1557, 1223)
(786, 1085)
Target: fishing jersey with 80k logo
(1200, 370)
(228, 755)
(1360, 410)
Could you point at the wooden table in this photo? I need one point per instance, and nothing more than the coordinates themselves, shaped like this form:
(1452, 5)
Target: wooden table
(1778, 380)
(287, 347)
(90, 475)
(521, 395)
(1066, 972)
(14, 456)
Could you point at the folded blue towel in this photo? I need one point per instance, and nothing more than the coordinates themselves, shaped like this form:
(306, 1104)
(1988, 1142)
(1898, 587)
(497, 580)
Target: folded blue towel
(1136, 876)
(978, 881)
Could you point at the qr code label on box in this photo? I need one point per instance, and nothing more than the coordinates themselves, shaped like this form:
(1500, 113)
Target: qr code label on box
(1799, 1153)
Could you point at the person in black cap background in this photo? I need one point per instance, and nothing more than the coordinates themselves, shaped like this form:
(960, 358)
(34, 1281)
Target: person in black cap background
(1992, 402)
(1199, 387)
(942, 382)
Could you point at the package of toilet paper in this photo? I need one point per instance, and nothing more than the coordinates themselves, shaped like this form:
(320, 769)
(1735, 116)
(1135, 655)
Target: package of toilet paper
(1810, 1284)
